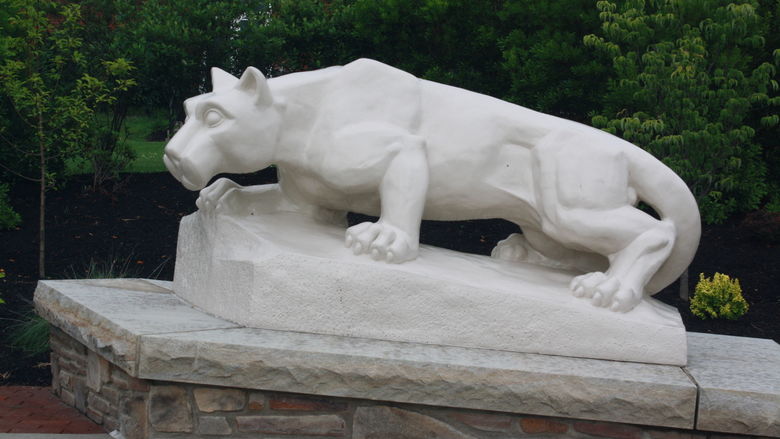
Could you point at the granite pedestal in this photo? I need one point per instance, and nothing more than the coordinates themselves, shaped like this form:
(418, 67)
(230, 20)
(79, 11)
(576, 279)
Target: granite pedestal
(138, 359)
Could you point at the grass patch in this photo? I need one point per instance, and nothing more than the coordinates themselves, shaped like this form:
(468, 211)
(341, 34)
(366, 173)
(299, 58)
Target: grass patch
(148, 154)
(30, 335)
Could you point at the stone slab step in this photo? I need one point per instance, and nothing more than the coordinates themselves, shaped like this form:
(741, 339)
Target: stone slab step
(731, 384)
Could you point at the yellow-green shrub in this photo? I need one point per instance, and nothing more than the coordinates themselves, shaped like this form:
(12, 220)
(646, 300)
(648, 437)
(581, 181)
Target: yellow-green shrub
(719, 297)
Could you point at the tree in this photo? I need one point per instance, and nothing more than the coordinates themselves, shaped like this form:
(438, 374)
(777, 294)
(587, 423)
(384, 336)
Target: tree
(684, 89)
(549, 68)
(47, 96)
(768, 135)
(106, 150)
(283, 36)
(450, 41)
(174, 43)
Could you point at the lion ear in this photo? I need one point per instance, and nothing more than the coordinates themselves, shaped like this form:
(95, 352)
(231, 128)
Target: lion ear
(221, 80)
(254, 83)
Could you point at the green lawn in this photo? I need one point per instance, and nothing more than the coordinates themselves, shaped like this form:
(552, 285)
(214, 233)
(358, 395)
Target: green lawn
(148, 154)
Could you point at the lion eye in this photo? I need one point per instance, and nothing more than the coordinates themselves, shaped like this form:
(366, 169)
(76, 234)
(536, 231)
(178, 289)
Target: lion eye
(212, 118)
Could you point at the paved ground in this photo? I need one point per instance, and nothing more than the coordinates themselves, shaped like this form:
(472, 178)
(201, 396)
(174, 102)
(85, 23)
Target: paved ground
(25, 409)
(52, 436)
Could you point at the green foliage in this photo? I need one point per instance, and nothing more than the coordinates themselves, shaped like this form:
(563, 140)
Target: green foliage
(50, 96)
(685, 88)
(45, 103)
(550, 69)
(30, 335)
(769, 136)
(691, 81)
(283, 36)
(174, 43)
(449, 41)
(773, 205)
(145, 154)
(140, 128)
(719, 297)
(110, 268)
(8, 217)
(107, 151)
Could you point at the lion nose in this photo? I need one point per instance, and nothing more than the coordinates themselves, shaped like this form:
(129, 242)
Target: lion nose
(171, 153)
(172, 160)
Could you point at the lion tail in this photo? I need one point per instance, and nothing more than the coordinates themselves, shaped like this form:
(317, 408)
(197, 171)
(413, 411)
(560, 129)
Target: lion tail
(667, 193)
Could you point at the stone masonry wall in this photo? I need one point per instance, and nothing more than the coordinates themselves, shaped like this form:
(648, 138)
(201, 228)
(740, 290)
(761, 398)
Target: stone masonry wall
(142, 409)
(97, 388)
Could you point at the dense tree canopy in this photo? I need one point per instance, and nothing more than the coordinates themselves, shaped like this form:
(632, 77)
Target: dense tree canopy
(691, 81)
(49, 96)
(549, 67)
(685, 88)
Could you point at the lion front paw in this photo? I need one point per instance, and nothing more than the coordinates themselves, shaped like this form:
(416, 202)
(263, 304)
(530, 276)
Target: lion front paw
(382, 241)
(213, 198)
(606, 291)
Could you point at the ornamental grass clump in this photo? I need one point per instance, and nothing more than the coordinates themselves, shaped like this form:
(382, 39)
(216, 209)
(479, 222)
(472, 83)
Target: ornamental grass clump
(719, 297)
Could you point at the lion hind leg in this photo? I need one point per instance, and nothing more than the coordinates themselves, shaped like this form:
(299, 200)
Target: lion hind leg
(586, 204)
(534, 247)
(635, 244)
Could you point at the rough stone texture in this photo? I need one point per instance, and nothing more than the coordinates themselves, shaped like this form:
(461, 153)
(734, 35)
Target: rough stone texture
(604, 429)
(256, 401)
(94, 415)
(301, 403)
(125, 381)
(98, 403)
(133, 416)
(438, 383)
(216, 425)
(170, 409)
(484, 422)
(674, 434)
(219, 400)
(284, 271)
(67, 397)
(314, 425)
(542, 425)
(391, 422)
(739, 381)
(108, 316)
(104, 392)
(424, 374)
(110, 423)
(98, 372)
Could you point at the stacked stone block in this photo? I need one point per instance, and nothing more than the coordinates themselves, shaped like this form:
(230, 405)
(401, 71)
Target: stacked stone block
(142, 409)
(97, 388)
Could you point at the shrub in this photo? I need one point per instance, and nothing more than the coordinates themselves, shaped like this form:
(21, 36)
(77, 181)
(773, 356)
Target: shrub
(8, 217)
(719, 297)
(687, 87)
(30, 335)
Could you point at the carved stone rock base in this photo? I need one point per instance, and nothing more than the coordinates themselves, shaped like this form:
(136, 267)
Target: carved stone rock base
(284, 271)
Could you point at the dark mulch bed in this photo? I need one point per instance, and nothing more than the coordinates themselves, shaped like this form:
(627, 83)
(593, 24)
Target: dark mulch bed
(138, 223)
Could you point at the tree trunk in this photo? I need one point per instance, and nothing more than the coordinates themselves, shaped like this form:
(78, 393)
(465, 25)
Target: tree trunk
(42, 200)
